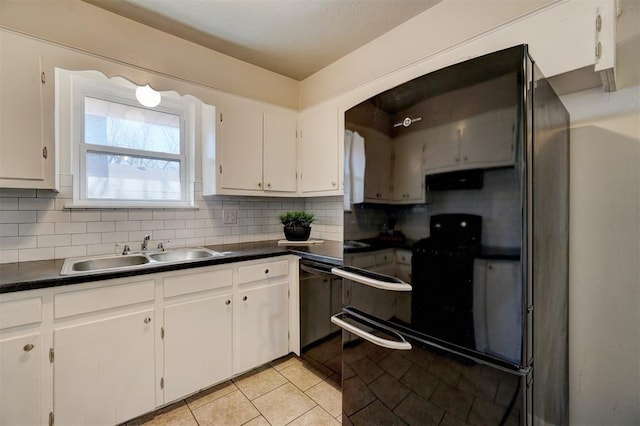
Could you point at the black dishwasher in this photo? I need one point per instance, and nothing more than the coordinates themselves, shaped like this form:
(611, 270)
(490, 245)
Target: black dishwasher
(320, 298)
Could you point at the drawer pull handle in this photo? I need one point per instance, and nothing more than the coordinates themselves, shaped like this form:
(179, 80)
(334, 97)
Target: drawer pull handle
(147, 320)
(228, 302)
(244, 298)
(266, 271)
(28, 347)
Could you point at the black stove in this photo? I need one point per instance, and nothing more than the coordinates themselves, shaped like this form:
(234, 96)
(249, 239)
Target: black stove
(442, 278)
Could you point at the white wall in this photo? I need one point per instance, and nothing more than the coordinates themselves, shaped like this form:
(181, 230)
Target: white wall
(87, 28)
(604, 297)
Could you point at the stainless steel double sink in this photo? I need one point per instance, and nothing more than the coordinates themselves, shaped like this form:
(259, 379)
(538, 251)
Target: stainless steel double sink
(135, 260)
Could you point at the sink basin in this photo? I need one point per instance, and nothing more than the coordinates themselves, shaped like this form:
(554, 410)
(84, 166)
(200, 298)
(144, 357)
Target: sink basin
(355, 244)
(110, 262)
(182, 255)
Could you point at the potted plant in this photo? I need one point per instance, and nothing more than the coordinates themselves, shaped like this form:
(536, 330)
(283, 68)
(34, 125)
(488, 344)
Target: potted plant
(297, 225)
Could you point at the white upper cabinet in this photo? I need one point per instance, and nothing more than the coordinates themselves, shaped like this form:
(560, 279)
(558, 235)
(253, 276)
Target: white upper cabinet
(241, 147)
(319, 151)
(279, 151)
(27, 148)
(488, 140)
(377, 175)
(482, 141)
(408, 178)
(256, 150)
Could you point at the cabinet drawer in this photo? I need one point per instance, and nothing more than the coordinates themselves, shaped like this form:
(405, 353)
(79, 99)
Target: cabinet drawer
(97, 299)
(20, 312)
(404, 273)
(363, 261)
(384, 258)
(201, 281)
(261, 271)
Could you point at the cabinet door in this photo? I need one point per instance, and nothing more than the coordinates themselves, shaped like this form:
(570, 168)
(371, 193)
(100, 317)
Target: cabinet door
(261, 329)
(319, 153)
(504, 308)
(488, 139)
(241, 145)
(104, 370)
(377, 177)
(408, 177)
(25, 124)
(197, 345)
(279, 158)
(20, 380)
(442, 148)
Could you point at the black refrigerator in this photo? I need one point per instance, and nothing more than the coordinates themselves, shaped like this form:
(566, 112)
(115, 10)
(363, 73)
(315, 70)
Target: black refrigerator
(473, 329)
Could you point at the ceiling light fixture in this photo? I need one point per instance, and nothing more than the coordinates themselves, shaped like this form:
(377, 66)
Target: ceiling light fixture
(147, 96)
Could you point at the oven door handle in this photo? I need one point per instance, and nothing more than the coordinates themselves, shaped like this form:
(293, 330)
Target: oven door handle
(396, 285)
(385, 343)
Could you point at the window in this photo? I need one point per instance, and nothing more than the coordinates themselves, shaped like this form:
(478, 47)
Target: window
(128, 155)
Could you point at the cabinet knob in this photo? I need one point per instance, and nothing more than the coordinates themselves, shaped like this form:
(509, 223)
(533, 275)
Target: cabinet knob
(244, 298)
(147, 320)
(259, 184)
(227, 302)
(456, 159)
(268, 184)
(333, 183)
(464, 158)
(28, 347)
(266, 271)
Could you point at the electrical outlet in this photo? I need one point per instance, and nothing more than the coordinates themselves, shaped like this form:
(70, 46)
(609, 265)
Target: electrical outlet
(229, 217)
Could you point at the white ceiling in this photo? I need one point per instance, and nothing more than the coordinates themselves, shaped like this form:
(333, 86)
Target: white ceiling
(291, 37)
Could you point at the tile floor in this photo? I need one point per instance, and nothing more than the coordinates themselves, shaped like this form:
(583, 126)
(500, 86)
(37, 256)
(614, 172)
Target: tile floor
(288, 391)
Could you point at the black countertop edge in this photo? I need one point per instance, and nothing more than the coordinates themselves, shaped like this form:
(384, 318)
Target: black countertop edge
(46, 273)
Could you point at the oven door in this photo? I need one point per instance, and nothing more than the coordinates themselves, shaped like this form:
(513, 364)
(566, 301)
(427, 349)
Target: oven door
(391, 376)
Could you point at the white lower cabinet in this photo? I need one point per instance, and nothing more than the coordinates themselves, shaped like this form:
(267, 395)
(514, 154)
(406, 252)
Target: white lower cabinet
(105, 352)
(261, 316)
(104, 370)
(20, 380)
(262, 325)
(197, 345)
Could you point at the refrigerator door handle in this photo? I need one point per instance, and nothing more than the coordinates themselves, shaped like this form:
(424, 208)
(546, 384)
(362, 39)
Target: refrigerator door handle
(393, 284)
(385, 343)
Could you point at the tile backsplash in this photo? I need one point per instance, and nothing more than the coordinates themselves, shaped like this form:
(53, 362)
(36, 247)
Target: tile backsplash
(34, 225)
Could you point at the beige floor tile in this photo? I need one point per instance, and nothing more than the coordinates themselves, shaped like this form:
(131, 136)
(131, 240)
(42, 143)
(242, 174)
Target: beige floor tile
(283, 404)
(229, 410)
(327, 396)
(258, 421)
(211, 394)
(315, 417)
(285, 362)
(259, 382)
(326, 350)
(176, 414)
(303, 375)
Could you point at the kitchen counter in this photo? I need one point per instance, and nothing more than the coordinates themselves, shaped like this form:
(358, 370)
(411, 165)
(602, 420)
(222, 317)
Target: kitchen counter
(46, 273)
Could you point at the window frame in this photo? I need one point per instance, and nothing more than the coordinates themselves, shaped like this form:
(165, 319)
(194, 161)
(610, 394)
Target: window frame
(123, 92)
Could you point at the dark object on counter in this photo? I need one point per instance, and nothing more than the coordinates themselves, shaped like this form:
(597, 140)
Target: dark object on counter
(297, 233)
(466, 179)
(297, 225)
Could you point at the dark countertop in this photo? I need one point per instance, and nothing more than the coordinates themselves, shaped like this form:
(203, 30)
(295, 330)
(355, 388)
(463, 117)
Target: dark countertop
(46, 273)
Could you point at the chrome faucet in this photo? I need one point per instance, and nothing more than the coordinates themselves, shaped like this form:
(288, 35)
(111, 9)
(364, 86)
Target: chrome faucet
(145, 241)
